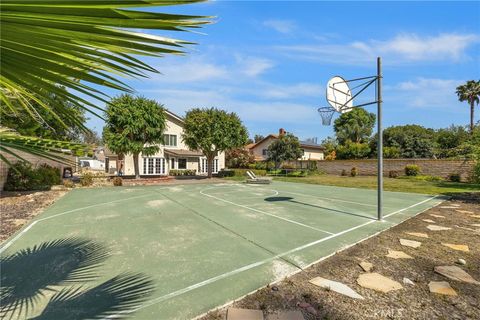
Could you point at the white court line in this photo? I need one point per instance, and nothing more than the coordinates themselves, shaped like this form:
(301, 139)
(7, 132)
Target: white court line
(331, 199)
(262, 262)
(9, 243)
(262, 212)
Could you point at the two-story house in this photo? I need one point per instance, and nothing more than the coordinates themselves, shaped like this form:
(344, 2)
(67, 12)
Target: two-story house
(173, 154)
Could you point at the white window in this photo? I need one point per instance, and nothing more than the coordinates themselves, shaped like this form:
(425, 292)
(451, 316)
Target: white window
(153, 166)
(170, 140)
(204, 165)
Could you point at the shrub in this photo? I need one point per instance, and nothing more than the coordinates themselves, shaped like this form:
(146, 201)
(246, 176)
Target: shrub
(412, 170)
(23, 177)
(454, 177)
(344, 173)
(226, 173)
(354, 172)
(48, 176)
(252, 166)
(117, 181)
(238, 158)
(67, 183)
(187, 172)
(86, 179)
(475, 177)
(297, 173)
(393, 174)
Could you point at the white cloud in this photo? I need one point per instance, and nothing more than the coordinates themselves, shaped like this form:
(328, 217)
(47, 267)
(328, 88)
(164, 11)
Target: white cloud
(191, 71)
(282, 26)
(298, 90)
(253, 66)
(403, 48)
(425, 93)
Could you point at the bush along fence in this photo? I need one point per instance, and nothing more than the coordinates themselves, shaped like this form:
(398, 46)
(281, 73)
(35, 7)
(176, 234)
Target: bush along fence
(445, 169)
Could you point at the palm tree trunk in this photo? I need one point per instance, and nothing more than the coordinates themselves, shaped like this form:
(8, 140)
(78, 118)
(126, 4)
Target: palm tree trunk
(472, 107)
(135, 165)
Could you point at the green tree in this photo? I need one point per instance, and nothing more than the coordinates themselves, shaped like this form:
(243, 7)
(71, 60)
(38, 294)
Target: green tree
(84, 46)
(134, 125)
(238, 158)
(212, 131)
(470, 92)
(353, 150)
(448, 139)
(258, 137)
(411, 141)
(356, 126)
(285, 148)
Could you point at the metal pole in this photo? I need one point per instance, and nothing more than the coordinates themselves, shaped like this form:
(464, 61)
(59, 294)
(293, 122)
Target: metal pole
(380, 140)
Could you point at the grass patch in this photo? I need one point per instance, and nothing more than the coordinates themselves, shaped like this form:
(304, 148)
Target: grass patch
(425, 186)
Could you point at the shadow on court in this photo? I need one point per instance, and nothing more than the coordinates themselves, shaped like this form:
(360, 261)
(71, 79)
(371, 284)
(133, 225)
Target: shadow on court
(71, 263)
(292, 200)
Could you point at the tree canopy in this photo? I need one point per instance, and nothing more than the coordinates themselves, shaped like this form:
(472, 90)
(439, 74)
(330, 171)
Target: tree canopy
(470, 92)
(134, 125)
(212, 130)
(285, 148)
(356, 126)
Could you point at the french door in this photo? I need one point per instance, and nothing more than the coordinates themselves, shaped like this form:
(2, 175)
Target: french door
(153, 166)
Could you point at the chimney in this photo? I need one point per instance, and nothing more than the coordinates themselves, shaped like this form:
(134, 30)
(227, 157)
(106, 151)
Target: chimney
(281, 132)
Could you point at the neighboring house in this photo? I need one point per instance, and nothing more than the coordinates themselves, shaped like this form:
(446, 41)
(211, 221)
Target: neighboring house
(173, 154)
(311, 151)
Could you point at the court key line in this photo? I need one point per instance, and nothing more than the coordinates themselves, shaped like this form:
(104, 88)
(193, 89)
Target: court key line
(9, 243)
(262, 262)
(263, 212)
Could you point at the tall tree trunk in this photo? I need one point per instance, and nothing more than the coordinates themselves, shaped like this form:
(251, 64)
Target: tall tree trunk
(210, 165)
(472, 105)
(135, 165)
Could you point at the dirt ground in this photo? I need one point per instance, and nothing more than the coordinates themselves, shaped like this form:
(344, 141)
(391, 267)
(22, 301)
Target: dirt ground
(411, 302)
(17, 208)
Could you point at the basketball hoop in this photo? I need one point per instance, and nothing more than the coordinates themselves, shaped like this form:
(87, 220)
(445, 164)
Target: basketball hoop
(326, 113)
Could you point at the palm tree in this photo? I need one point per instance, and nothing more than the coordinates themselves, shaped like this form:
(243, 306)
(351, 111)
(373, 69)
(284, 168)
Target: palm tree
(83, 46)
(470, 92)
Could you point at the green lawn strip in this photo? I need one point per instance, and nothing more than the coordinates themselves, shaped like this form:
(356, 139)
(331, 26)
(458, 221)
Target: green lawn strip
(400, 185)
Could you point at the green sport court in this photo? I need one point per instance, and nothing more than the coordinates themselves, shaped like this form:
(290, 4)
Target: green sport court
(177, 251)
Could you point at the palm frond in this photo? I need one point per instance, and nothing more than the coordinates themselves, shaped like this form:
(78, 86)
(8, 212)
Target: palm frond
(81, 45)
(13, 144)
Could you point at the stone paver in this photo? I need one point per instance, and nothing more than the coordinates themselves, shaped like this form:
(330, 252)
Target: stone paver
(464, 211)
(377, 282)
(449, 207)
(336, 286)
(459, 247)
(244, 314)
(428, 220)
(437, 216)
(408, 281)
(410, 243)
(418, 234)
(366, 266)
(441, 287)
(475, 216)
(398, 255)
(455, 273)
(286, 315)
(437, 228)
(476, 224)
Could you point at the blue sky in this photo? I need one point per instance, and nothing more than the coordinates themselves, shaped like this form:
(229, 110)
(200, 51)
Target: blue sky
(269, 61)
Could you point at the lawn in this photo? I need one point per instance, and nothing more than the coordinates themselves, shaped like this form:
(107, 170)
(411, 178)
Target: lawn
(403, 184)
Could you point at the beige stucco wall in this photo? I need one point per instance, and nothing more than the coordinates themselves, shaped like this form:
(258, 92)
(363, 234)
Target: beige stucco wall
(174, 127)
(312, 154)
(258, 149)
